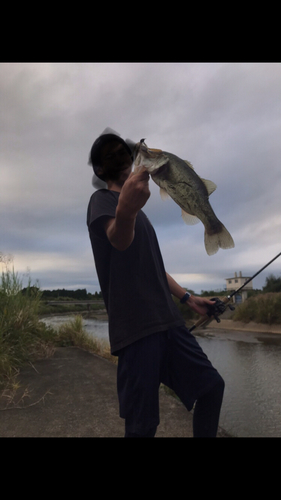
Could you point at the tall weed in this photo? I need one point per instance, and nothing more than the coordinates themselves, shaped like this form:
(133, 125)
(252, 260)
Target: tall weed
(22, 335)
(263, 308)
(73, 334)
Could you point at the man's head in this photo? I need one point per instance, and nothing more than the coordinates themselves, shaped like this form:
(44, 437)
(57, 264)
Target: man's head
(110, 156)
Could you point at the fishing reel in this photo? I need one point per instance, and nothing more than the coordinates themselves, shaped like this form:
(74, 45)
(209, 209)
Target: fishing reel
(218, 308)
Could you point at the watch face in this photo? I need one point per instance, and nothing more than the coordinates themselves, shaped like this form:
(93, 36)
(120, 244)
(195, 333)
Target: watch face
(185, 297)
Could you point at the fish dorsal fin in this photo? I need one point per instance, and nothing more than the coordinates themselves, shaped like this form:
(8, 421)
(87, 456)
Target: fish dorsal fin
(189, 164)
(210, 186)
(163, 193)
(191, 220)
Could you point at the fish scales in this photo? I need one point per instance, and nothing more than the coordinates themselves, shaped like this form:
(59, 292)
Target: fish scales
(177, 178)
(189, 191)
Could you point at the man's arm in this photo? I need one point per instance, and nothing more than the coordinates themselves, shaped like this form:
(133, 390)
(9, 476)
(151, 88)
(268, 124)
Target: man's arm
(120, 231)
(133, 196)
(175, 288)
(198, 304)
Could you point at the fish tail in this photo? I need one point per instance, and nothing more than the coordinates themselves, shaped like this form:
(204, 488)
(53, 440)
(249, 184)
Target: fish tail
(220, 238)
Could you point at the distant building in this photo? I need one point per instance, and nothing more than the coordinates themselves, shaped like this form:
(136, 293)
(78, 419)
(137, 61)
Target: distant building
(234, 283)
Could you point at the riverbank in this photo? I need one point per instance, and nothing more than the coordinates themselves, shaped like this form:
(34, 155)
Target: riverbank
(225, 324)
(73, 394)
(228, 324)
(249, 363)
(220, 353)
(49, 309)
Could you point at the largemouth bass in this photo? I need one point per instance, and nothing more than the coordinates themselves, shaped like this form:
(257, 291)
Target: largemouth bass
(177, 178)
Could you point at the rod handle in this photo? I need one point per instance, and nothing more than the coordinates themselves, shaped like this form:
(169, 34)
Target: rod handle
(207, 318)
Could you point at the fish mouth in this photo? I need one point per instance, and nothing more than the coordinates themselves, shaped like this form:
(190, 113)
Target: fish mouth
(149, 151)
(154, 150)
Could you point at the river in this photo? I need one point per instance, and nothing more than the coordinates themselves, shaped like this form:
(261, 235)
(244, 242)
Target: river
(251, 367)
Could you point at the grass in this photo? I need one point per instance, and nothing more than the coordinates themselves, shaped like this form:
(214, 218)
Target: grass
(72, 333)
(263, 308)
(24, 337)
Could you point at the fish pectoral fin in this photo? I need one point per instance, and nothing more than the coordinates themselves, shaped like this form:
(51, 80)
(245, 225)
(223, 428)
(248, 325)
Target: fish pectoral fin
(163, 193)
(189, 219)
(210, 186)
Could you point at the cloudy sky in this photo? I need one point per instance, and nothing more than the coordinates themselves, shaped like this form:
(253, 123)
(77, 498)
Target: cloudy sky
(225, 118)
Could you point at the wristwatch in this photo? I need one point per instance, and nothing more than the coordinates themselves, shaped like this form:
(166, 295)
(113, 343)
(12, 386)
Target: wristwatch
(185, 298)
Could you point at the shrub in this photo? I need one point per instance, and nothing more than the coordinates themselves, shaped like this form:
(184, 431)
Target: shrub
(264, 308)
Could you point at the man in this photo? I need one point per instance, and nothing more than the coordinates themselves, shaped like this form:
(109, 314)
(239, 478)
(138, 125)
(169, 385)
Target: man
(146, 330)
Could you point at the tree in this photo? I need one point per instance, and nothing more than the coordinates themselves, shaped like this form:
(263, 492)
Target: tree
(272, 284)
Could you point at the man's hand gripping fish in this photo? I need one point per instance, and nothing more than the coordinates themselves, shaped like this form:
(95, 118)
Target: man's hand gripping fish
(177, 178)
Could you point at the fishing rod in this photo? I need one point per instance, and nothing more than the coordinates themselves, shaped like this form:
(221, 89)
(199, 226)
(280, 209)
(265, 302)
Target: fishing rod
(220, 305)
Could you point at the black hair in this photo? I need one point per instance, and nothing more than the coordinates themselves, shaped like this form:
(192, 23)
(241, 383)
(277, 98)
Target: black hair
(94, 156)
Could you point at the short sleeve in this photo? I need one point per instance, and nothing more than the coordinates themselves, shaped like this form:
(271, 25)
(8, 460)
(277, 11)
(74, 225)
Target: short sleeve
(103, 203)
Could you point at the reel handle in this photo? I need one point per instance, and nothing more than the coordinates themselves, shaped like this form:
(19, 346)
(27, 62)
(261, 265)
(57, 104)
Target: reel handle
(214, 312)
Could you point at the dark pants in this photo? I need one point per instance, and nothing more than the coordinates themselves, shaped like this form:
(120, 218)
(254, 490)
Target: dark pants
(174, 358)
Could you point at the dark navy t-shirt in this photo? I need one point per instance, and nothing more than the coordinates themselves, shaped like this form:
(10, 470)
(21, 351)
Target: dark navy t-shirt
(133, 282)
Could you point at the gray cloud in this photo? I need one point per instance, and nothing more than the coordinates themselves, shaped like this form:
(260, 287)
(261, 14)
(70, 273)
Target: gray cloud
(224, 118)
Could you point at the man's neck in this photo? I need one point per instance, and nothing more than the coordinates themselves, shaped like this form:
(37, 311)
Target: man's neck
(114, 186)
(118, 184)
